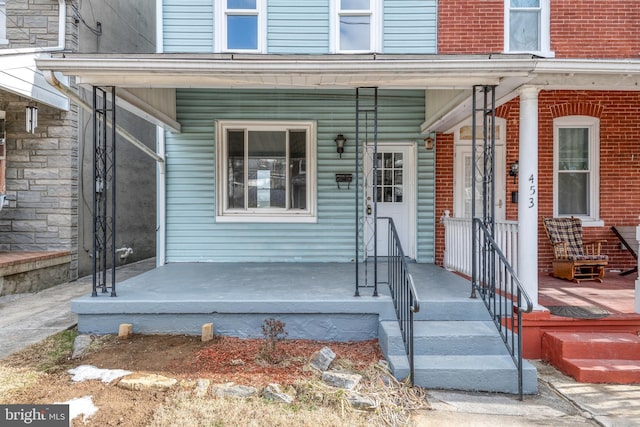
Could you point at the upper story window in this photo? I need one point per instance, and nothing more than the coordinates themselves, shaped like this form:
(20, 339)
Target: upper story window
(357, 26)
(240, 25)
(527, 27)
(3, 22)
(266, 171)
(576, 167)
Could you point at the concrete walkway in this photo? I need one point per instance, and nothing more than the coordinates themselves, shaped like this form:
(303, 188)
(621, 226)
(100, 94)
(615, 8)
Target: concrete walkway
(28, 318)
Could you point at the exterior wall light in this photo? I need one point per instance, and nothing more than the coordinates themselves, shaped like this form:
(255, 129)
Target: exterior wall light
(428, 143)
(515, 167)
(340, 141)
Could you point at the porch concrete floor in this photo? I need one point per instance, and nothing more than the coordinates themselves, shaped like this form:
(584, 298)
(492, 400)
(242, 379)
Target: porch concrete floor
(225, 292)
(616, 294)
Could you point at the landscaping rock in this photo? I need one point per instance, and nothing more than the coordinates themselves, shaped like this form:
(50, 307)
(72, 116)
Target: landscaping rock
(80, 345)
(321, 360)
(341, 380)
(202, 386)
(359, 401)
(140, 381)
(274, 392)
(233, 390)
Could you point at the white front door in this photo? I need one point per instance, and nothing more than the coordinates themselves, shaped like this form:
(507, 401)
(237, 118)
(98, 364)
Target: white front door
(463, 174)
(395, 194)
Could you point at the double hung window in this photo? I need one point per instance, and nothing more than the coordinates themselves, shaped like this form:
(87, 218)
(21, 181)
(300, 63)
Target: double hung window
(266, 171)
(357, 27)
(527, 27)
(576, 167)
(240, 25)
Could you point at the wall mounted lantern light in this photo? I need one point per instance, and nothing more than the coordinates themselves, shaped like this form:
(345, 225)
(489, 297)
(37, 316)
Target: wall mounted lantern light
(515, 167)
(340, 141)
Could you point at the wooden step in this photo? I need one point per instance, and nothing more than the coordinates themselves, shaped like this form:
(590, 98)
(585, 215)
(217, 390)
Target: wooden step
(596, 357)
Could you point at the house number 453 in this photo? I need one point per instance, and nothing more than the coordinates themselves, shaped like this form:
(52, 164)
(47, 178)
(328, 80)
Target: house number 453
(532, 191)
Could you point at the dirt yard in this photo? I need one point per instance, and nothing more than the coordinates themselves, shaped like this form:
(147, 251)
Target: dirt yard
(39, 375)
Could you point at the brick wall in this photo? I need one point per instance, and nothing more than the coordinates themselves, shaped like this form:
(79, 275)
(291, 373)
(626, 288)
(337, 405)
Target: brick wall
(619, 114)
(470, 26)
(578, 28)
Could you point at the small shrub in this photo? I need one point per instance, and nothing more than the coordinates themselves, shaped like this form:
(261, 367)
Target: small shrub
(273, 331)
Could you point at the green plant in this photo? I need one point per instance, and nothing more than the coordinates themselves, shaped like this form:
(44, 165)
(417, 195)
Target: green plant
(273, 331)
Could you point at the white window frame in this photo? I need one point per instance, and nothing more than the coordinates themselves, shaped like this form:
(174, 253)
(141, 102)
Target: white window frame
(545, 29)
(3, 23)
(376, 30)
(221, 12)
(593, 125)
(281, 215)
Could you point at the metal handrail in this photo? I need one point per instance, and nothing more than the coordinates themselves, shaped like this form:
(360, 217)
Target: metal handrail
(403, 291)
(503, 294)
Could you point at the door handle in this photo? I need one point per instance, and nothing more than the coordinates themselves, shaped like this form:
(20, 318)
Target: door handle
(368, 209)
(500, 204)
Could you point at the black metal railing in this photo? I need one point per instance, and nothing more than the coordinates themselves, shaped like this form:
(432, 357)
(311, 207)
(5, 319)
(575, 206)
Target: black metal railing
(403, 290)
(498, 285)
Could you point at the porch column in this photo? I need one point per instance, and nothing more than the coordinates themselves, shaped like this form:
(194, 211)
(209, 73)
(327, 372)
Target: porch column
(528, 193)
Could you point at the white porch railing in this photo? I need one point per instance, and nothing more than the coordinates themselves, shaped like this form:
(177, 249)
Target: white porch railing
(458, 244)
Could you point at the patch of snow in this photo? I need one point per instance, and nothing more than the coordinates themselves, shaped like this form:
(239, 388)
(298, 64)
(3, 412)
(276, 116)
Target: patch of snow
(90, 372)
(81, 405)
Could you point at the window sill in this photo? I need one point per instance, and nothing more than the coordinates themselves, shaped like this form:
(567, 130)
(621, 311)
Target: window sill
(592, 223)
(230, 218)
(542, 54)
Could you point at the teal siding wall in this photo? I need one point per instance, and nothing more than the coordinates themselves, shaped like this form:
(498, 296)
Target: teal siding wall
(298, 26)
(194, 235)
(187, 26)
(410, 26)
(301, 27)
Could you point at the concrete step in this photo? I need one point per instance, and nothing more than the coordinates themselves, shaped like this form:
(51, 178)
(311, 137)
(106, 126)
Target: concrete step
(489, 373)
(452, 309)
(444, 338)
(594, 357)
(611, 371)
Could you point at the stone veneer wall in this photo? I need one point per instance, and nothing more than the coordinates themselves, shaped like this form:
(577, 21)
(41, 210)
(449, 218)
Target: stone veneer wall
(42, 168)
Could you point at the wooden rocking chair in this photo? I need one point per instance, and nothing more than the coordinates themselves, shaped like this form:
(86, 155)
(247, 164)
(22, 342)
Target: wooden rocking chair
(574, 259)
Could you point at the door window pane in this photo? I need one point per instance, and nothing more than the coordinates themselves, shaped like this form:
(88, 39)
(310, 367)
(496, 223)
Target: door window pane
(389, 178)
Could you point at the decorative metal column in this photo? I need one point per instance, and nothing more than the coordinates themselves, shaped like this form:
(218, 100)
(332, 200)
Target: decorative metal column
(483, 158)
(104, 199)
(366, 122)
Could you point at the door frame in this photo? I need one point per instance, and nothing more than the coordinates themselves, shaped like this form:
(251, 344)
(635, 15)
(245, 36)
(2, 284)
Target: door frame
(463, 142)
(410, 179)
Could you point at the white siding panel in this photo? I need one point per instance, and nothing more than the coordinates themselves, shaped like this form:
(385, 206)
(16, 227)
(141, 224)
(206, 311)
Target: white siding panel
(194, 235)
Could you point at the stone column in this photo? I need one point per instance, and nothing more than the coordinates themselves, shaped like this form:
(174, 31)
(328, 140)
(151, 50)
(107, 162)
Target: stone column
(528, 193)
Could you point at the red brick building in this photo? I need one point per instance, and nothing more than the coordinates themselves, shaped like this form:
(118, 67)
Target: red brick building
(596, 100)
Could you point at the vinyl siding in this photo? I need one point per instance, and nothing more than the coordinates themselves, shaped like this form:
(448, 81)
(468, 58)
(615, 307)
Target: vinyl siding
(187, 26)
(298, 27)
(410, 27)
(194, 235)
(301, 27)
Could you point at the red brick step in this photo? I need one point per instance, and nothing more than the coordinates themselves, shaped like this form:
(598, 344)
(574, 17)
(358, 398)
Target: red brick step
(597, 357)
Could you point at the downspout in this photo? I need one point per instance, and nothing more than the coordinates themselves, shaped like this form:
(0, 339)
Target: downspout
(62, 29)
(53, 81)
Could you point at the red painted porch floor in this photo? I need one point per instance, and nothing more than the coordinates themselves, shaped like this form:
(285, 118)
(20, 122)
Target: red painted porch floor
(589, 350)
